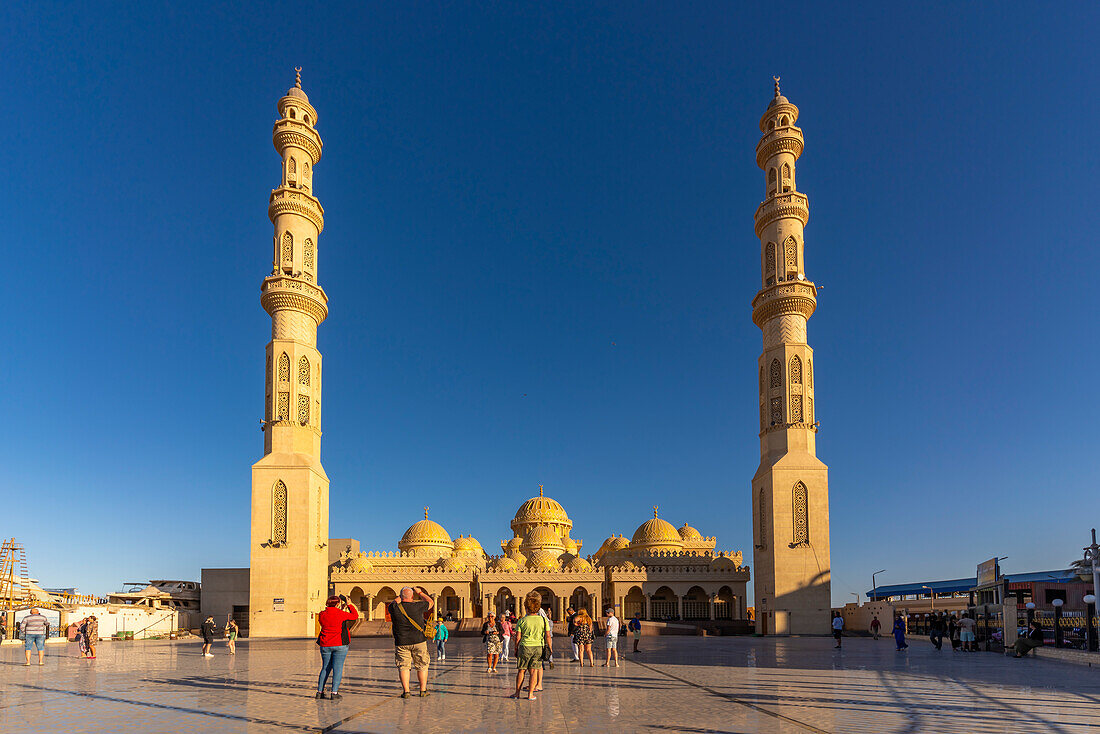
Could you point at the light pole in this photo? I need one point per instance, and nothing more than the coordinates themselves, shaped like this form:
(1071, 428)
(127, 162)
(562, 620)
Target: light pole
(1092, 557)
(874, 586)
(932, 594)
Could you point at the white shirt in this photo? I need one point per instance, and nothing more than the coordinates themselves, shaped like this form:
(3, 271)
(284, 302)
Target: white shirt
(612, 626)
(838, 623)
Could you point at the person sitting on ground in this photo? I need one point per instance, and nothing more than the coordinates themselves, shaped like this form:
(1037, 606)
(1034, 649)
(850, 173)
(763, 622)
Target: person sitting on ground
(531, 638)
(334, 641)
(1030, 641)
(409, 641)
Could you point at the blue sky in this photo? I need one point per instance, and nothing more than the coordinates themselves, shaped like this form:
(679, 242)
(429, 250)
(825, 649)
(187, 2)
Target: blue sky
(539, 256)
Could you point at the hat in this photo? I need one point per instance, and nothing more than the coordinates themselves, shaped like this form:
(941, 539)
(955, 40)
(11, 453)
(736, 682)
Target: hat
(332, 601)
(492, 614)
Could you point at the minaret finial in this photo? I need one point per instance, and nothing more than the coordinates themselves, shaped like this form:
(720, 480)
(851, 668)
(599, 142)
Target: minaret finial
(774, 77)
(655, 511)
(540, 490)
(298, 77)
(425, 512)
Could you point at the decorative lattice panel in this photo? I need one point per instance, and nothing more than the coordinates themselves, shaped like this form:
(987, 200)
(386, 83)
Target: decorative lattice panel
(801, 505)
(303, 409)
(278, 513)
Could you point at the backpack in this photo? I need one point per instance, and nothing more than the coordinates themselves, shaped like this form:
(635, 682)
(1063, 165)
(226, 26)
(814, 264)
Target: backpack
(428, 629)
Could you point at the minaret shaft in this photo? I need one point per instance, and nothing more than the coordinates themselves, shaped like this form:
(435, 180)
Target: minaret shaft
(289, 537)
(790, 489)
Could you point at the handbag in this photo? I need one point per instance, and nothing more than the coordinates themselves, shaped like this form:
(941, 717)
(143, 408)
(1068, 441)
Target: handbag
(428, 629)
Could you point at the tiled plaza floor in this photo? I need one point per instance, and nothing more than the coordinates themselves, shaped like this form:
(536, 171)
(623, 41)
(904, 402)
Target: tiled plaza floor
(678, 684)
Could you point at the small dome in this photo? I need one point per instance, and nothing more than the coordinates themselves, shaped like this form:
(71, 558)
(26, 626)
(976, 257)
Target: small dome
(572, 562)
(542, 560)
(468, 545)
(539, 510)
(451, 564)
(512, 545)
(571, 547)
(426, 535)
(723, 564)
(689, 533)
(629, 566)
(656, 534)
(504, 564)
(542, 537)
(297, 92)
(360, 565)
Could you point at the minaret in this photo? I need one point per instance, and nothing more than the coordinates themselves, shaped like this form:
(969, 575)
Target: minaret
(790, 492)
(288, 577)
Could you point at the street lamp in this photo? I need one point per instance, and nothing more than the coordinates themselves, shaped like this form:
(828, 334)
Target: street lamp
(1057, 604)
(1090, 622)
(932, 594)
(874, 586)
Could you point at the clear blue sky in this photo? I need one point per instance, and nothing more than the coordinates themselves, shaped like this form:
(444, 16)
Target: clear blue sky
(540, 257)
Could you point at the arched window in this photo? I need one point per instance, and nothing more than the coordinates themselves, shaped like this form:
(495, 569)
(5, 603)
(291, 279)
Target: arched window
(769, 264)
(786, 178)
(278, 513)
(790, 256)
(308, 255)
(796, 370)
(783, 121)
(291, 167)
(288, 247)
(776, 377)
(305, 118)
(772, 185)
(303, 371)
(303, 409)
(801, 515)
(284, 368)
(292, 113)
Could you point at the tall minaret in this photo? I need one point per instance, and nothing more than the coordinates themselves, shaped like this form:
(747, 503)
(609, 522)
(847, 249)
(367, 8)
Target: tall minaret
(288, 577)
(790, 492)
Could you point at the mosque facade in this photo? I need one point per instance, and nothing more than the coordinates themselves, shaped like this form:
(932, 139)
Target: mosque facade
(661, 572)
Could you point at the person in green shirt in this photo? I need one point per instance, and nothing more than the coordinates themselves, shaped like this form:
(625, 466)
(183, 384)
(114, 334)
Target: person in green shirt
(533, 634)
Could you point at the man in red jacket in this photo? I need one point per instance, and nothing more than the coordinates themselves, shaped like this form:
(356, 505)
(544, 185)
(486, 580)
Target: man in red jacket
(334, 642)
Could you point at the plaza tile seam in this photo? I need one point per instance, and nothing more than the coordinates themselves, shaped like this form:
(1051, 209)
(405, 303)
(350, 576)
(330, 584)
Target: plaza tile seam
(734, 699)
(341, 722)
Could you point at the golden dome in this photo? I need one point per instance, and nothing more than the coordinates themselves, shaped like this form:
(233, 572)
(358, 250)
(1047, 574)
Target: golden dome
(617, 543)
(512, 545)
(571, 547)
(360, 565)
(504, 564)
(542, 560)
(724, 564)
(518, 557)
(467, 545)
(571, 562)
(657, 534)
(540, 537)
(451, 564)
(689, 533)
(540, 510)
(426, 535)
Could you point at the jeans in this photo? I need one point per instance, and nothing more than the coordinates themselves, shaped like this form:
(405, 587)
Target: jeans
(332, 661)
(936, 638)
(441, 648)
(507, 642)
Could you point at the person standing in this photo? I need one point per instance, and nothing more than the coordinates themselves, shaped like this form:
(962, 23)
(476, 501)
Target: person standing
(953, 632)
(899, 632)
(35, 628)
(3, 627)
(531, 639)
(935, 631)
(81, 638)
(876, 627)
(208, 629)
(231, 630)
(410, 644)
(441, 635)
(492, 634)
(635, 626)
(506, 625)
(967, 628)
(611, 624)
(549, 643)
(334, 641)
(583, 637)
(570, 630)
(838, 628)
(91, 635)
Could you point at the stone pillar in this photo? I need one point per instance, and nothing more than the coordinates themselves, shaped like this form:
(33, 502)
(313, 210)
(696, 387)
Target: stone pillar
(648, 609)
(680, 606)
(369, 605)
(710, 607)
(462, 607)
(435, 605)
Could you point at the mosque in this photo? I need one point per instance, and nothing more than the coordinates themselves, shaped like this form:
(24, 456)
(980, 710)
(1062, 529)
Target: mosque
(661, 572)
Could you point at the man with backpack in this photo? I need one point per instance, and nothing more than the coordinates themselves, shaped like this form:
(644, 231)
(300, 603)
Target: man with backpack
(410, 638)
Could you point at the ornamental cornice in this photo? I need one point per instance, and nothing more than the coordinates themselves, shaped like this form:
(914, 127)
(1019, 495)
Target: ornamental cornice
(783, 140)
(284, 200)
(776, 111)
(791, 204)
(293, 133)
(297, 101)
(289, 424)
(280, 294)
(787, 297)
(785, 426)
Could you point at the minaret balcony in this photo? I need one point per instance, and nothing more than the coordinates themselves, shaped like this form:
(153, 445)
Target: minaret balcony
(786, 297)
(789, 204)
(285, 199)
(282, 292)
(295, 133)
(779, 140)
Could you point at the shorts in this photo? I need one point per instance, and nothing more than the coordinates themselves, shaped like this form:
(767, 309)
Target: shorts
(637, 634)
(836, 634)
(966, 636)
(529, 657)
(412, 656)
(612, 640)
(34, 642)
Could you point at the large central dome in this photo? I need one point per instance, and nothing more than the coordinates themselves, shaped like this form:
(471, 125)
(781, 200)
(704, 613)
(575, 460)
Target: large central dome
(540, 510)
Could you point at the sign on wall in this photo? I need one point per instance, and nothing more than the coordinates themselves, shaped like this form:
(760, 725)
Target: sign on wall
(987, 573)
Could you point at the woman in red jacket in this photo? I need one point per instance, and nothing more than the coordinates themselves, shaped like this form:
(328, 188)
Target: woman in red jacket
(334, 642)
